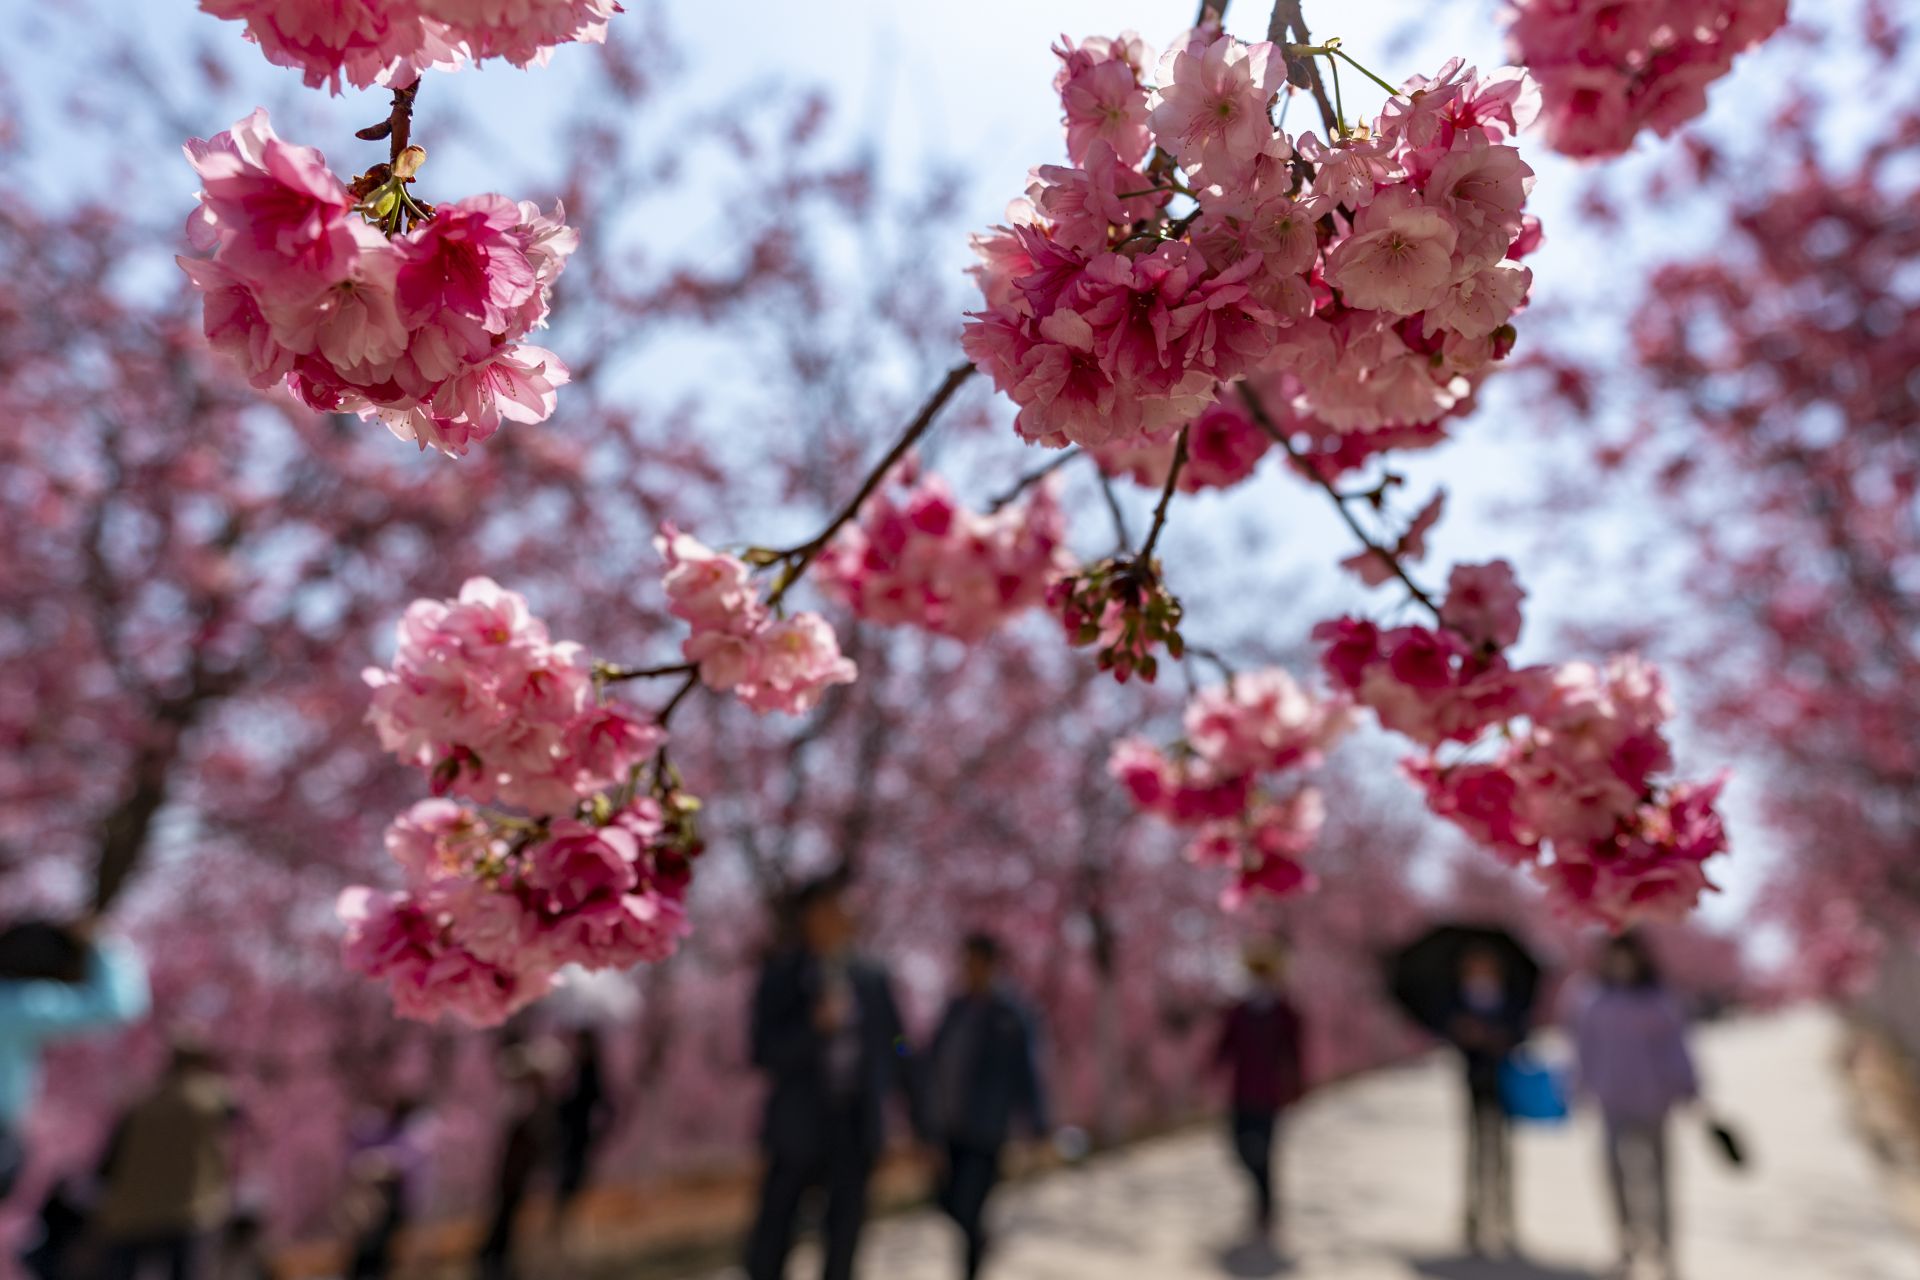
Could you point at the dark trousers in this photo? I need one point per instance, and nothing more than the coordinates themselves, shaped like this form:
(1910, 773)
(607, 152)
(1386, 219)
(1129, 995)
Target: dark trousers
(1253, 1133)
(842, 1169)
(496, 1251)
(1489, 1170)
(176, 1255)
(373, 1251)
(969, 1179)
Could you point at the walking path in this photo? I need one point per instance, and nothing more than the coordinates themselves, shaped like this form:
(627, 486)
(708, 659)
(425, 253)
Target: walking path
(1372, 1185)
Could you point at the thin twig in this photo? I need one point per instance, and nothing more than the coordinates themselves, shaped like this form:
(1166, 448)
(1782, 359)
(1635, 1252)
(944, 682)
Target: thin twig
(1303, 72)
(1034, 477)
(1313, 472)
(611, 674)
(1166, 497)
(799, 558)
(1124, 538)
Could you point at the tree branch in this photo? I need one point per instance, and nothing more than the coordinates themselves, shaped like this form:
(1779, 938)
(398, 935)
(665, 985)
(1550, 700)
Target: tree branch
(1166, 497)
(1313, 472)
(799, 558)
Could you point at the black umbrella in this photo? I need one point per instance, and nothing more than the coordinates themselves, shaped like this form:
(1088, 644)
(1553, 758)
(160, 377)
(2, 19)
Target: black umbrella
(1424, 975)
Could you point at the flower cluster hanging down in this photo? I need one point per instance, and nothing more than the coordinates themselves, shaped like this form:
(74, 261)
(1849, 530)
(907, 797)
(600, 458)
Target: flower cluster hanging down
(1609, 70)
(1373, 274)
(738, 643)
(587, 871)
(916, 557)
(390, 42)
(1257, 726)
(362, 300)
(1556, 768)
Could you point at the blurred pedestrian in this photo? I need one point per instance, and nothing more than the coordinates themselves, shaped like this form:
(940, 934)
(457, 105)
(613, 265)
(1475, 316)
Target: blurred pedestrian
(1487, 1022)
(1631, 1058)
(826, 1031)
(168, 1176)
(56, 980)
(529, 1140)
(983, 1071)
(242, 1251)
(586, 1117)
(382, 1167)
(1260, 1046)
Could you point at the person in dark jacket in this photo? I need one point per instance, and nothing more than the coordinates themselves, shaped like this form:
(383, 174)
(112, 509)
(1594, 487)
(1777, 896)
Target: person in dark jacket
(1260, 1047)
(528, 1144)
(826, 1031)
(586, 1115)
(1487, 1023)
(983, 1071)
(381, 1171)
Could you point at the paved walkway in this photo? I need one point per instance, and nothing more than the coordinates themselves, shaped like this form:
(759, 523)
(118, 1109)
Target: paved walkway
(1371, 1179)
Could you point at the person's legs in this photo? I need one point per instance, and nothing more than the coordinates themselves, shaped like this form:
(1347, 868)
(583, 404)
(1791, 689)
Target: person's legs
(1253, 1143)
(971, 1175)
(781, 1189)
(1482, 1154)
(849, 1166)
(1660, 1192)
(1618, 1141)
(1501, 1125)
(496, 1251)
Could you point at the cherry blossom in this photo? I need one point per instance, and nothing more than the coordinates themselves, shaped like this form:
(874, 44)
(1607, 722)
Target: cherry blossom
(421, 328)
(1606, 71)
(915, 556)
(390, 42)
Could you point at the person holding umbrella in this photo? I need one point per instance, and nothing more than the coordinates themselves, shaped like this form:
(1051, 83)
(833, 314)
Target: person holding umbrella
(1474, 987)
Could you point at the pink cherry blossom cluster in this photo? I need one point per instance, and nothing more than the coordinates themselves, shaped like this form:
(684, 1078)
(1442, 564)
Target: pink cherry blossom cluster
(1224, 446)
(390, 42)
(1562, 766)
(492, 912)
(496, 904)
(1608, 70)
(494, 710)
(915, 556)
(1256, 725)
(1373, 277)
(739, 644)
(422, 329)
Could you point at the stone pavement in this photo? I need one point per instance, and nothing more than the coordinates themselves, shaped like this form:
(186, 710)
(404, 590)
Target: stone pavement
(1371, 1171)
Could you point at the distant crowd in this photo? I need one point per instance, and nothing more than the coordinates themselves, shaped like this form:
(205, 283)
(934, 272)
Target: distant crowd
(825, 1029)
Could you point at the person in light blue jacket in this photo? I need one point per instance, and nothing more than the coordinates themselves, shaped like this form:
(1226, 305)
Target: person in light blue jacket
(55, 981)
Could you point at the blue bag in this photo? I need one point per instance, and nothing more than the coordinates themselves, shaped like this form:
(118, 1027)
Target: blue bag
(1531, 1090)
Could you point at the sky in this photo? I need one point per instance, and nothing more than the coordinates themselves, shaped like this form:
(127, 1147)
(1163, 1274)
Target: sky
(968, 87)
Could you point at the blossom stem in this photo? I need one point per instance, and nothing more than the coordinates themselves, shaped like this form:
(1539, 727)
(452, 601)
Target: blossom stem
(1124, 538)
(800, 557)
(1034, 477)
(1311, 470)
(1166, 498)
(610, 673)
(1347, 58)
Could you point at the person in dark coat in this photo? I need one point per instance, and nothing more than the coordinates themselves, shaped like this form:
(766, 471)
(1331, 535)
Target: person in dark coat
(385, 1161)
(983, 1071)
(826, 1031)
(1487, 1023)
(528, 1146)
(1260, 1047)
(586, 1114)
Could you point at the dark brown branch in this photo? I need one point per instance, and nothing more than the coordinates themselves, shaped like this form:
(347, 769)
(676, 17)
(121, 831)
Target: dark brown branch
(1032, 478)
(800, 557)
(611, 674)
(1166, 497)
(1311, 470)
(1302, 71)
(397, 127)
